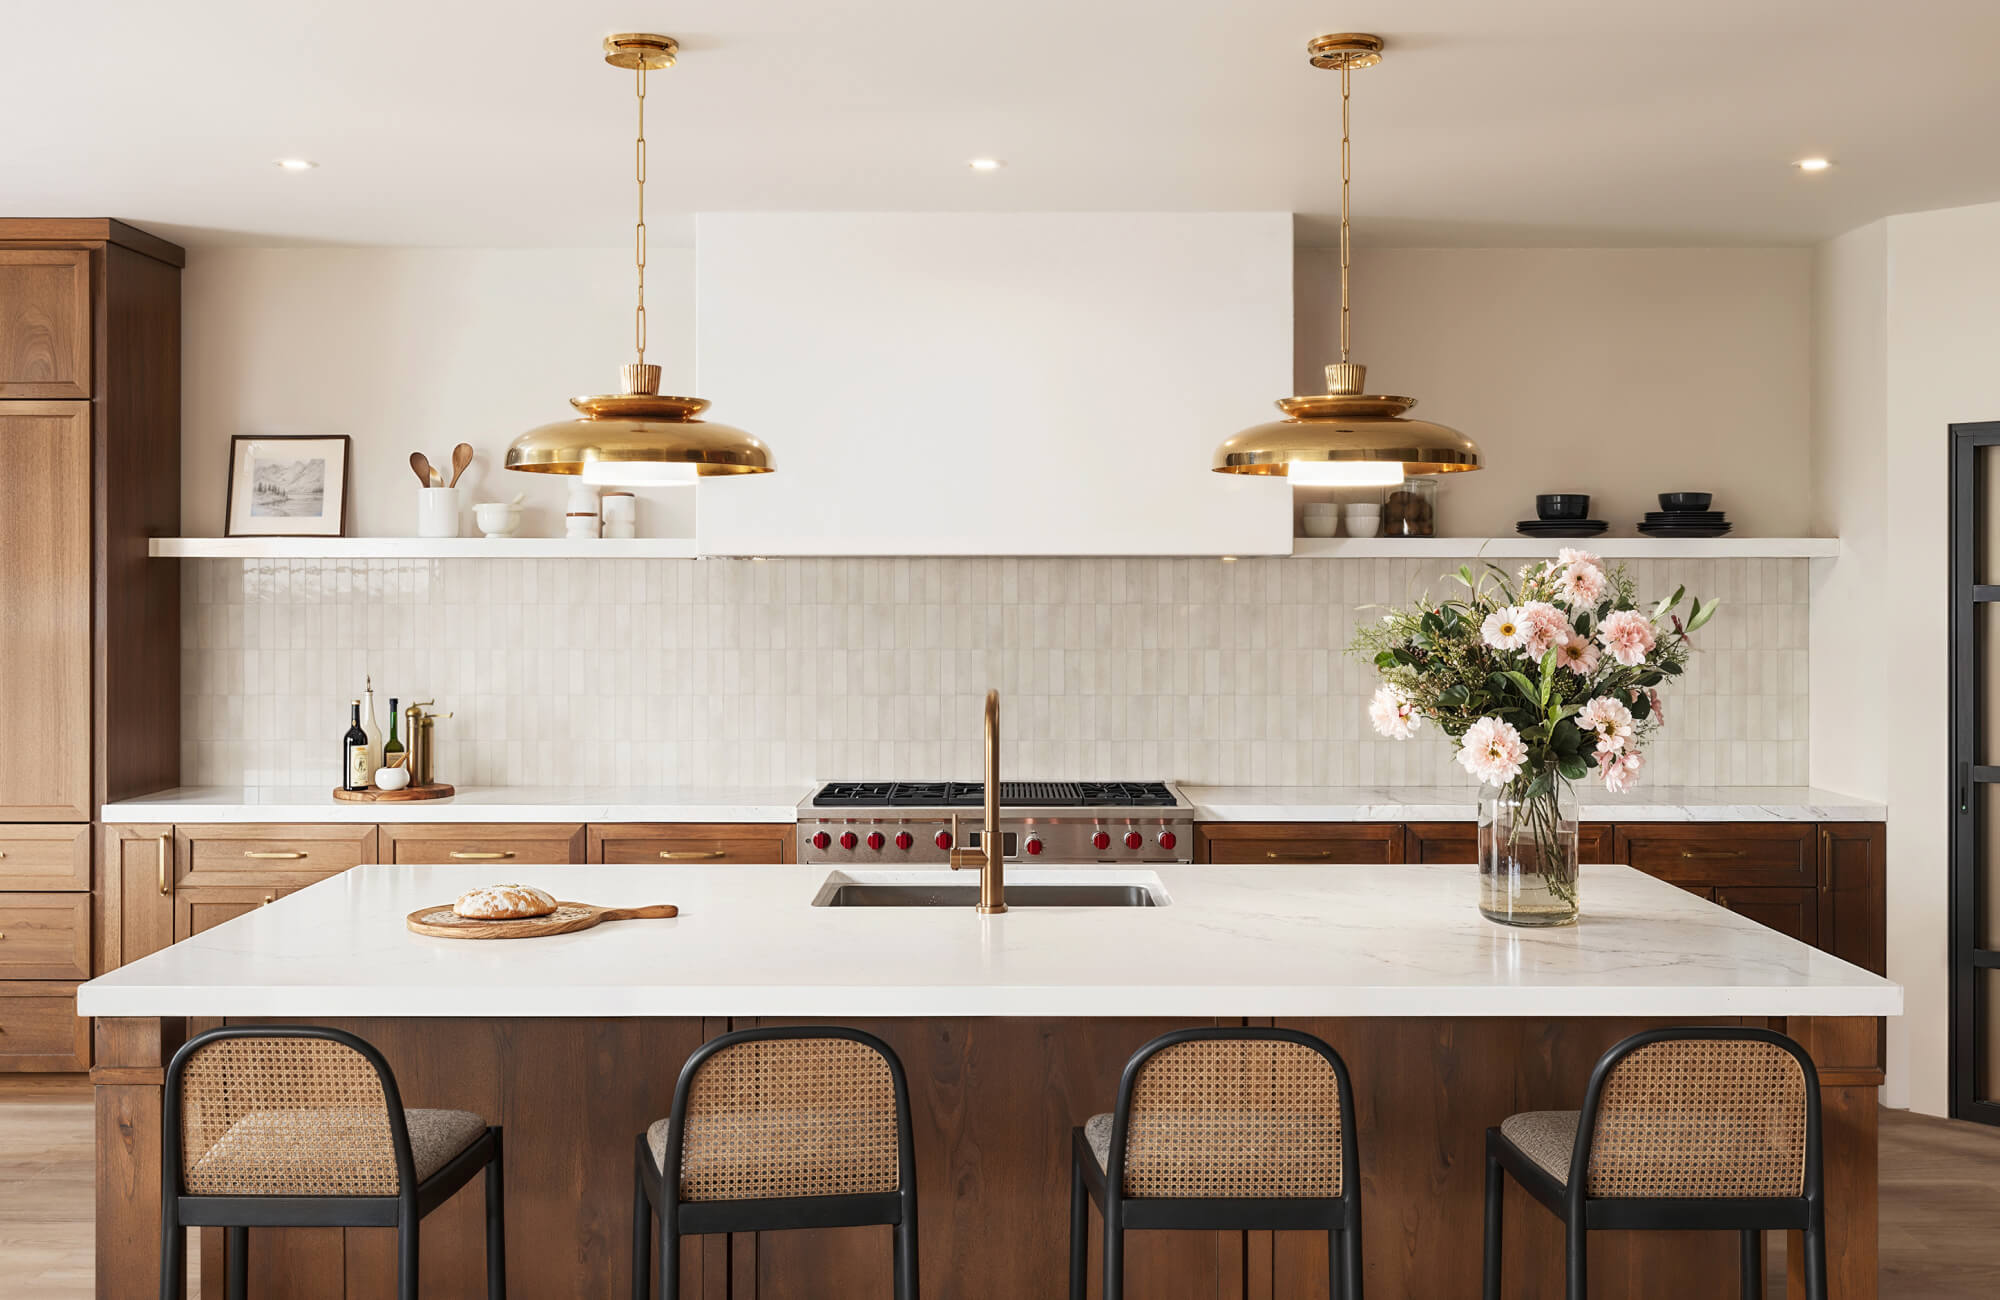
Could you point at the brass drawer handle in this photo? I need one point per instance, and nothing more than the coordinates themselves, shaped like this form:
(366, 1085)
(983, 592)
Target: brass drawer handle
(166, 846)
(270, 899)
(1275, 856)
(479, 857)
(1711, 853)
(271, 856)
(675, 856)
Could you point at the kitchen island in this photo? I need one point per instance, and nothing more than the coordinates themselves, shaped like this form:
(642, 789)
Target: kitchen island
(1012, 1029)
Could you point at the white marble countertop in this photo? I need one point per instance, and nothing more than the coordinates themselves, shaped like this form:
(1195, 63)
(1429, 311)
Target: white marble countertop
(1232, 941)
(779, 803)
(1418, 803)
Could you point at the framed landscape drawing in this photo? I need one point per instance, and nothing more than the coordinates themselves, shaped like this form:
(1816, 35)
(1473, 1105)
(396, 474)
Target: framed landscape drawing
(287, 486)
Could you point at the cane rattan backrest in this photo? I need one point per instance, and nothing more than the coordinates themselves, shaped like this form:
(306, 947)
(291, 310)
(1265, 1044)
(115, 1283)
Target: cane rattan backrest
(790, 1117)
(284, 1117)
(1701, 1117)
(1234, 1117)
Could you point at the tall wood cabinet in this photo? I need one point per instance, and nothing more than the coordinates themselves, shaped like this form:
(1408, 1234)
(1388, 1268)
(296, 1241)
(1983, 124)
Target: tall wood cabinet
(89, 625)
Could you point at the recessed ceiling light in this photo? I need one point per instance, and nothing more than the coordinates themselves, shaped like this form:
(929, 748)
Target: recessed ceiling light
(1812, 164)
(986, 164)
(297, 164)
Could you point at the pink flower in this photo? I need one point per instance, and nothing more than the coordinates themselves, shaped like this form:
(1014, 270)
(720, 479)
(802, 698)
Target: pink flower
(1628, 636)
(1581, 584)
(1610, 720)
(1571, 555)
(1579, 654)
(1504, 629)
(1492, 751)
(1547, 628)
(1392, 713)
(1620, 772)
(1659, 714)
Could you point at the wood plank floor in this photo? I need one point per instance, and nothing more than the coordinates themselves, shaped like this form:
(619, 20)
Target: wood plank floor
(1940, 1200)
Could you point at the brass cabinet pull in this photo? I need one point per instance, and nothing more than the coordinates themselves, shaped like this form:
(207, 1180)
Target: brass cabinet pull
(1276, 856)
(252, 853)
(479, 857)
(270, 899)
(672, 855)
(1711, 853)
(166, 848)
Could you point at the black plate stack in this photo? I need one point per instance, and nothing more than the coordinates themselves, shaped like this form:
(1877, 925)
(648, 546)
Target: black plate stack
(1561, 514)
(1685, 514)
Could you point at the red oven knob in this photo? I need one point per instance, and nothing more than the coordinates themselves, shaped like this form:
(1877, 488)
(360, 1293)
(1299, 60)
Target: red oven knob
(821, 839)
(847, 840)
(1167, 839)
(1101, 840)
(875, 841)
(1134, 839)
(903, 840)
(1033, 848)
(942, 839)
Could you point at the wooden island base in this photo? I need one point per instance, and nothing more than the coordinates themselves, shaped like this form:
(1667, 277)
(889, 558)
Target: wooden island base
(993, 1101)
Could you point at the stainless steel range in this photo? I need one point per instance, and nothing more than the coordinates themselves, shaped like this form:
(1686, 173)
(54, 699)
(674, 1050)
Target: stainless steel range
(892, 823)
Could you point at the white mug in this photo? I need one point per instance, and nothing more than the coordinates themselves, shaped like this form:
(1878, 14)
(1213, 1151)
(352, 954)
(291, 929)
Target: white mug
(437, 512)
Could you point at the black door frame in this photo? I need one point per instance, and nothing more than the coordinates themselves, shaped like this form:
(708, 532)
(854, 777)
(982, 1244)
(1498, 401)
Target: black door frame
(1967, 774)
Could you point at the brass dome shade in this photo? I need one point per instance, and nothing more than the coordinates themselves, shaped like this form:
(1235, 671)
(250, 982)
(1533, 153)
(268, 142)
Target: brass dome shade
(1346, 437)
(640, 437)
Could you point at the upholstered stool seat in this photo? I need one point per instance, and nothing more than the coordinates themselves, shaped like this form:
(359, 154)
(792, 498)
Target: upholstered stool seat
(298, 1126)
(1680, 1129)
(1221, 1129)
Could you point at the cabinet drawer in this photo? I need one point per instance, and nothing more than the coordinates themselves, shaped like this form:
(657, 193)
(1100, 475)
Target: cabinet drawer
(40, 1030)
(220, 854)
(497, 844)
(690, 845)
(1297, 843)
(1459, 842)
(44, 323)
(45, 936)
(1735, 854)
(1789, 911)
(206, 906)
(47, 858)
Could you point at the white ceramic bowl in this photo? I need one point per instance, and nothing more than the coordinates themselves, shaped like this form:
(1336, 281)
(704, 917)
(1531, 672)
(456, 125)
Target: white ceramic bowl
(1321, 526)
(497, 518)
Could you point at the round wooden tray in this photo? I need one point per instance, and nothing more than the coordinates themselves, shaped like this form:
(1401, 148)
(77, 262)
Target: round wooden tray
(441, 922)
(435, 790)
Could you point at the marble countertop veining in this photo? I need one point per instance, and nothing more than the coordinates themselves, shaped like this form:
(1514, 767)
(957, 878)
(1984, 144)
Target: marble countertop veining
(1231, 941)
(1704, 803)
(777, 804)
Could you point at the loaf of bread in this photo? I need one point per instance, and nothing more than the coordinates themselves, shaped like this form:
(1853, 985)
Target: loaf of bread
(503, 903)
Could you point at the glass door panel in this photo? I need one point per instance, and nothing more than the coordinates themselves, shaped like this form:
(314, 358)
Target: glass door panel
(1974, 934)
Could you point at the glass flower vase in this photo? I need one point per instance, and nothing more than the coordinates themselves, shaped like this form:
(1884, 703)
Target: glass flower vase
(1527, 853)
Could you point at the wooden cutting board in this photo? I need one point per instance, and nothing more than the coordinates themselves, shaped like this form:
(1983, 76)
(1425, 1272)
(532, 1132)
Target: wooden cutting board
(435, 790)
(443, 923)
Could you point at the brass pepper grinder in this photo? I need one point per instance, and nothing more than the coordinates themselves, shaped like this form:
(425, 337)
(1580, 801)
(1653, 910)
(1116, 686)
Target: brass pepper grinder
(421, 742)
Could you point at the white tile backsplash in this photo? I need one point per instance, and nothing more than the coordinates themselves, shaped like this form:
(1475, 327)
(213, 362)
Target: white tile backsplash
(739, 672)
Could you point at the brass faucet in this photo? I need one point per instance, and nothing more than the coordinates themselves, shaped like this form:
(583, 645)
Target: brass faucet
(990, 857)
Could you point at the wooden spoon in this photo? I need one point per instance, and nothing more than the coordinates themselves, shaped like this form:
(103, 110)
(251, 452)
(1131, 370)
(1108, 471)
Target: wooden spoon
(461, 456)
(422, 465)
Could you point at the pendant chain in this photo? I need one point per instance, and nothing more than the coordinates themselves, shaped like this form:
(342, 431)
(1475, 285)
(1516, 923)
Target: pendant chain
(639, 235)
(1346, 173)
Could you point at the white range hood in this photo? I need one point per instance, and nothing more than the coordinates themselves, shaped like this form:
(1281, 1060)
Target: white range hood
(991, 383)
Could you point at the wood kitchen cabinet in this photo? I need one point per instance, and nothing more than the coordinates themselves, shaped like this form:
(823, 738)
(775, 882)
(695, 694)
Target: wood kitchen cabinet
(1459, 842)
(39, 1029)
(495, 842)
(692, 844)
(1293, 843)
(44, 323)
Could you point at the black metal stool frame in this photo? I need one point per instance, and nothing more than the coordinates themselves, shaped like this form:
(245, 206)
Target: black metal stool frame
(1582, 1214)
(403, 1211)
(658, 1189)
(1338, 1216)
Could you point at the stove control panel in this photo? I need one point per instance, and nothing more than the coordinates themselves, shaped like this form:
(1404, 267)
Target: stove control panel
(921, 838)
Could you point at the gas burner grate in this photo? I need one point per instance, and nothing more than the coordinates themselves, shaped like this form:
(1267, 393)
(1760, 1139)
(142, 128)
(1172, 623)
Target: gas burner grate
(1014, 794)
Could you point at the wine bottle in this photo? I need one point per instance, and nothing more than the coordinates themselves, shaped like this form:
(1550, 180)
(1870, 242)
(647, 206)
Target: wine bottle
(371, 728)
(392, 749)
(354, 753)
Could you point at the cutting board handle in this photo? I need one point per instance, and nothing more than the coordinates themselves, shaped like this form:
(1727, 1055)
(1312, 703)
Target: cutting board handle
(657, 912)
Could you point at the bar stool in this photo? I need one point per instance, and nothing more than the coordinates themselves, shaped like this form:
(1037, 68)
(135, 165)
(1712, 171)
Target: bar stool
(801, 1126)
(269, 1126)
(1222, 1130)
(1680, 1129)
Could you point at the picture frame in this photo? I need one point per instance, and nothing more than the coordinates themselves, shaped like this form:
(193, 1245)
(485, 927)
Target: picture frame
(287, 485)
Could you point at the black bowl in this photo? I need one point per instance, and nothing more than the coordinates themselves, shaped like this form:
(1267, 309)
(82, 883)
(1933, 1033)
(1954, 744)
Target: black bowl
(1685, 500)
(1562, 505)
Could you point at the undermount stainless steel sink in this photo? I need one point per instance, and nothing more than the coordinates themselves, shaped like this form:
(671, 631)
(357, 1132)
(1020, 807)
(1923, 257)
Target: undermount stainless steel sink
(1036, 889)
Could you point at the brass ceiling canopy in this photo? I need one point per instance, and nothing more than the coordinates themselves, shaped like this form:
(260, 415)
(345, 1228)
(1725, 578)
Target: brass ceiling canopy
(1346, 437)
(639, 437)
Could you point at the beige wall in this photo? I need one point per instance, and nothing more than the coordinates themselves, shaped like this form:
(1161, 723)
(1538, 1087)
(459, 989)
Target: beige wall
(1618, 372)
(411, 349)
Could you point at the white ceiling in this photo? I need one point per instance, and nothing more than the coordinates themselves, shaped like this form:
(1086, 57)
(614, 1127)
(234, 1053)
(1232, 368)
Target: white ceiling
(495, 123)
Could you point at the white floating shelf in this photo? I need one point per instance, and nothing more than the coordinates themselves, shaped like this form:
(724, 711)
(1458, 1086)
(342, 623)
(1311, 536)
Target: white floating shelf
(1531, 548)
(423, 548)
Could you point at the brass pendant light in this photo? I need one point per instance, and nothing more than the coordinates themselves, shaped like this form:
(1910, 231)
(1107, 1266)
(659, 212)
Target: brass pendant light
(1346, 437)
(640, 437)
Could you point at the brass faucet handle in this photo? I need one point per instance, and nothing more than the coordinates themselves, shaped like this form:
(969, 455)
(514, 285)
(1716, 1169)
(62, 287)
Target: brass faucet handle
(959, 857)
